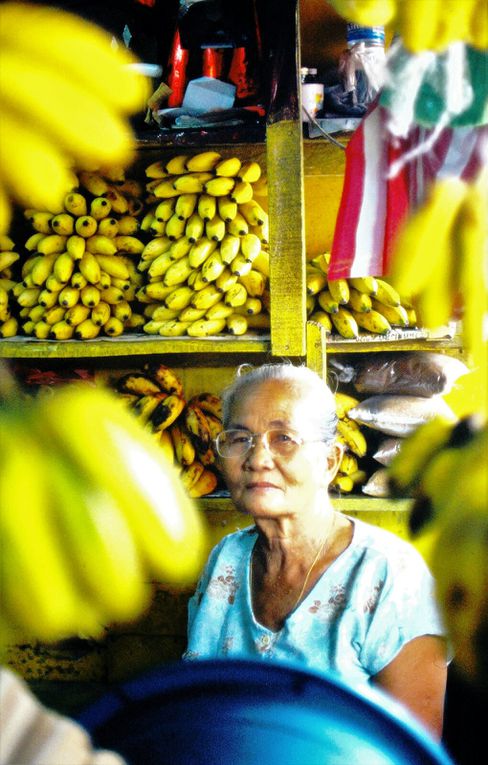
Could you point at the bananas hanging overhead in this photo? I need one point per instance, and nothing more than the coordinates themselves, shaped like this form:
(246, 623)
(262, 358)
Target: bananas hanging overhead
(57, 535)
(78, 103)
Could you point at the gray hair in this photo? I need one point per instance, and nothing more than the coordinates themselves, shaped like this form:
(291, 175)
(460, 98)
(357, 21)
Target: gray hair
(299, 378)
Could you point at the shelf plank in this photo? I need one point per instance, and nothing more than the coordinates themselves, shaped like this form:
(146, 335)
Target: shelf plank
(136, 345)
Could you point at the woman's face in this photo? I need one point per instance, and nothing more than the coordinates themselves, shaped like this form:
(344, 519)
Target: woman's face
(266, 485)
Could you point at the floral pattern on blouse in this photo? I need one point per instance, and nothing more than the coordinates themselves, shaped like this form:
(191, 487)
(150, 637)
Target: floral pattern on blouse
(374, 598)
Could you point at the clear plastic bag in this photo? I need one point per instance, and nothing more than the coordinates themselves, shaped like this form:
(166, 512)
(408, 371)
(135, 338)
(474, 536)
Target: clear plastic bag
(387, 450)
(377, 484)
(412, 374)
(399, 415)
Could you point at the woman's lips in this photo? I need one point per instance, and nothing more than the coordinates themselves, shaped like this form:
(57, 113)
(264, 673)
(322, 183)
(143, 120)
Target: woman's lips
(261, 485)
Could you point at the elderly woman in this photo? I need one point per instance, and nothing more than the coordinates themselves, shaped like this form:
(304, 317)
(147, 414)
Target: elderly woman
(306, 584)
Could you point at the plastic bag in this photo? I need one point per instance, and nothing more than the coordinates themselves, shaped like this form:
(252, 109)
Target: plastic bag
(387, 449)
(377, 485)
(412, 374)
(399, 415)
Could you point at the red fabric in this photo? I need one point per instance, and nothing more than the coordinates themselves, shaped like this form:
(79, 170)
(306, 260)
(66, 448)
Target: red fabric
(380, 190)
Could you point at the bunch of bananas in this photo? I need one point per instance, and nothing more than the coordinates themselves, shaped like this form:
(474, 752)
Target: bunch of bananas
(80, 277)
(65, 94)
(207, 265)
(354, 443)
(440, 261)
(79, 545)
(348, 306)
(422, 24)
(8, 323)
(183, 429)
(444, 467)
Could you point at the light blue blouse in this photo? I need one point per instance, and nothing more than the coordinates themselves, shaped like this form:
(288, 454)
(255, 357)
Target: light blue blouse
(374, 598)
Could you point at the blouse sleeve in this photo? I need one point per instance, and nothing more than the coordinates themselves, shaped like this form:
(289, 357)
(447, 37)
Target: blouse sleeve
(202, 584)
(405, 608)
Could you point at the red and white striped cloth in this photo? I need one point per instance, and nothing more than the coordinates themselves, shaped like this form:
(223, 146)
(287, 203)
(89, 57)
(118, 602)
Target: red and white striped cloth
(380, 189)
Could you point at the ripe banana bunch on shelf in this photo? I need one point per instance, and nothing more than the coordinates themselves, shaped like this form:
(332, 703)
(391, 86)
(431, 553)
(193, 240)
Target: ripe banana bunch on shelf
(348, 307)
(79, 276)
(422, 24)
(444, 467)
(207, 265)
(65, 99)
(80, 545)
(183, 429)
(9, 324)
(354, 445)
(440, 261)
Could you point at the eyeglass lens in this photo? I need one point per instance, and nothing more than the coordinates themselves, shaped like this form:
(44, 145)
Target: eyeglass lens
(235, 443)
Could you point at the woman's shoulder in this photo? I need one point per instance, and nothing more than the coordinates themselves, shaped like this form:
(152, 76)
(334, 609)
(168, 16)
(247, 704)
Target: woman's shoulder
(385, 545)
(236, 541)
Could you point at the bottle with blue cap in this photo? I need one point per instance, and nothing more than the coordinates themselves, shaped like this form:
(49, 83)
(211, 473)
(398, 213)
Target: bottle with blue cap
(362, 65)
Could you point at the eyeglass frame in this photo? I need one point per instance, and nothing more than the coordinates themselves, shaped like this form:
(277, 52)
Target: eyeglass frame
(253, 436)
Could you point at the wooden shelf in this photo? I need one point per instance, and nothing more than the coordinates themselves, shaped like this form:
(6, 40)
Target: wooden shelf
(135, 345)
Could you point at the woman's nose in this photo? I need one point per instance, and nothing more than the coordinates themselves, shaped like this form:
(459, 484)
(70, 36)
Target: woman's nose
(259, 452)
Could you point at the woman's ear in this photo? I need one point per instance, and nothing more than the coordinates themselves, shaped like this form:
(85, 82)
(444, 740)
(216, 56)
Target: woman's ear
(334, 457)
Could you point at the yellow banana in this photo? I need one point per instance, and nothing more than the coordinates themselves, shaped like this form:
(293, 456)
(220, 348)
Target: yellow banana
(225, 280)
(63, 267)
(315, 282)
(68, 296)
(235, 295)
(250, 246)
(76, 314)
(212, 267)
(98, 244)
(386, 294)
(190, 314)
(40, 221)
(160, 265)
(219, 187)
(85, 226)
(111, 295)
(203, 162)
(89, 267)
(191, 183)
(200, 251)
(41, 330)
(253, 213)
(178, 272)
(156, 169)
(46, 298)
(353, 436)
(118, 202)
(180, 247)
(197, 425)
(165, 209)
(229, 248)
(359, 301)
(185, 206)
(327, 302)
(90, 295)
(323, 318)
(228, 168)
(166, 378)
(42, 269)
(242, 193)
(128, 225)
(76, 204)
(241, 265)
(345, 322)
(173, 328)
(254, 282)
(165, 189)
(236, 324)
(76, 245)
(112, 265)
(61, 330)
(163, 313)
(156, 247)
(94, 183)
(129, 244)
(227, 208)
(122, 311)
(31, 243)
(177, 164)
(210, 403)
(344, 402)
(167, 411)
(190, 474)
(339, 289)
(259, 321)
(63, 224)
(395, 315)
(238, 226)
(215, 229)
(206, 207)
(249, 171)
(184, 449)
(100, 314)
(205, 484)
(218, 311)
(9, 328)
(175, 227)
(100, 207)
(206, 327)
(342, 482)
(261, 262)
(195, 227)
(179, 298)
(367, 284)
(373, 321)
(6, 243)
(113, 327)
(51, 243)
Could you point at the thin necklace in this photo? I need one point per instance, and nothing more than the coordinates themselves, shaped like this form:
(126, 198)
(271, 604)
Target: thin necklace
(307, 577)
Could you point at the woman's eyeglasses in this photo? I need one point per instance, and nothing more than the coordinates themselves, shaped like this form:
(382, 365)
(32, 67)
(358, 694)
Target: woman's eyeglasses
(237, 443)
